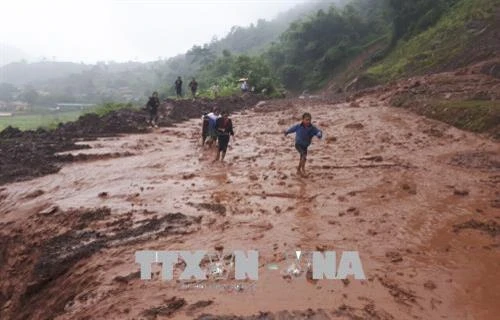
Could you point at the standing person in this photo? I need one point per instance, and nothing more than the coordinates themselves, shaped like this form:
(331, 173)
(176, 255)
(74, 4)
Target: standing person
(178, 87)
(212, 120)
(153, 105)
(215, 90)
(304, 132)
(193, 85)
(224, 129)
(244, 86)
(204, 128)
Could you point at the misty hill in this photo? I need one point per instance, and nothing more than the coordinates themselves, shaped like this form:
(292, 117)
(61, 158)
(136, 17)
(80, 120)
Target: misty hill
(74, 82)
(311, 46)
(257, 37)
(10, 54)
(20, 73)
(380, 41)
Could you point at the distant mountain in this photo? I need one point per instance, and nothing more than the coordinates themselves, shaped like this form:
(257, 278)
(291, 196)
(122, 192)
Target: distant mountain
(113, 81)
(10, 54)
(21, 73)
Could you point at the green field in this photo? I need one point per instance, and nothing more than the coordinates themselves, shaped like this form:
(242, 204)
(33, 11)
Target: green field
(37, 120)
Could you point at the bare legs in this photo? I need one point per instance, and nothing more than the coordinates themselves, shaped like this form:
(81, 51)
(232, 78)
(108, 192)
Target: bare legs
(301, 170)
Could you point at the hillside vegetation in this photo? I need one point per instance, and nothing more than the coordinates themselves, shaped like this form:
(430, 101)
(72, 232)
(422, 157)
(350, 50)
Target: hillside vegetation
(419, 50)
(335, 47)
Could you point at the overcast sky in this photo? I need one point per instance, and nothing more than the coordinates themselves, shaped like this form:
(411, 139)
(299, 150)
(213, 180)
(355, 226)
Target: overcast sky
(123, 30)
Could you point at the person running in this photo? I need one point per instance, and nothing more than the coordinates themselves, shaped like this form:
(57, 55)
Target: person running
(212, 120)
(153, 105)
(304, 132)
(178, 87)
(224, 129)
(193, 85)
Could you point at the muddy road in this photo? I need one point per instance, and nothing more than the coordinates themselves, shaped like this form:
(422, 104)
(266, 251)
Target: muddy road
(418, 199)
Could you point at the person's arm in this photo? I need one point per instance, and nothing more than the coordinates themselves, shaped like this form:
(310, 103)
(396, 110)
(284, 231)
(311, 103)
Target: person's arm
(230, 129)
(318, 133)
(291, 129)
(217, 124)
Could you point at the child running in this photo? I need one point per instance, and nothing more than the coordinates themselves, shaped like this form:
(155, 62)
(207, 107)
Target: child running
(304, 132)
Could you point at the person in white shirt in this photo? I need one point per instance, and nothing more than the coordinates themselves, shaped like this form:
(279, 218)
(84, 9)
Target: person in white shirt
(212, 119)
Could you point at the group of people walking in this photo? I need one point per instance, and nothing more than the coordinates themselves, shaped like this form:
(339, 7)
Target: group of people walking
(217, 129)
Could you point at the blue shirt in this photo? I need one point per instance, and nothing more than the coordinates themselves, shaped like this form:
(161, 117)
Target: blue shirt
(303, 135)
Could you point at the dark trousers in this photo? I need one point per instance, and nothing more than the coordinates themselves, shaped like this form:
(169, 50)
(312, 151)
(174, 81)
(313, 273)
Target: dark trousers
(153, 115)
(223, 142)
(302, 150)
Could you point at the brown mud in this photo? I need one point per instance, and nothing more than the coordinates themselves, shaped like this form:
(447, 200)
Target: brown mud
(33, 153)
(421, 208)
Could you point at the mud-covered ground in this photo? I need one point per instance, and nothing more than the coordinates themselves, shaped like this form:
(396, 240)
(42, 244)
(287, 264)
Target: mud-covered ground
(34, 153)
(418, 199)
(466, 98)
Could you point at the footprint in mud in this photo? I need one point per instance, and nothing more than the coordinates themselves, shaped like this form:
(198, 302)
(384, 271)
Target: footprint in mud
(35, 194)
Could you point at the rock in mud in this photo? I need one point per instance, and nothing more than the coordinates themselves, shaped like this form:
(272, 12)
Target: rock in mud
(199, 305)
(477, 160)
(401, 295)
(430, 285)
(394, 256)
(281, 315)
(34, 194)
(490, 227)
(103, 195)
(355, 125)
(170, 308)
(461, 193)
(374, 158)
(126, 279)
(331, 140)
(213, 207)
(188, 176)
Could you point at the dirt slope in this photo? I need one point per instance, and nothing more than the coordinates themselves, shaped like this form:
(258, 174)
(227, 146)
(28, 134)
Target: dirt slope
(417, 198)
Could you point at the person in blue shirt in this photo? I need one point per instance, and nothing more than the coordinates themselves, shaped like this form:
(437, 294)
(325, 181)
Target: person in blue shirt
(304, 132)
